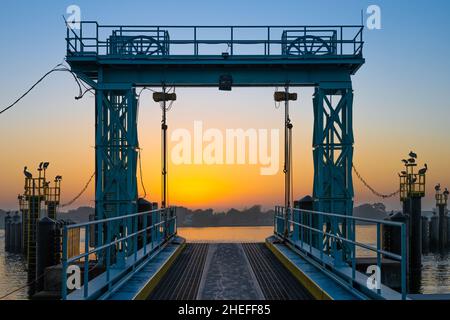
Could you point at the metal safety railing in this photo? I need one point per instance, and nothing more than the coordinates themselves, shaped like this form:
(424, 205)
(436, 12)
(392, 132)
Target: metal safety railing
(330, 240)
(300, 41)
(127, 242)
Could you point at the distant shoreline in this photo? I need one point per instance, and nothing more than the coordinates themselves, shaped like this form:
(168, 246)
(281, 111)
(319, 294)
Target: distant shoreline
(253, 216)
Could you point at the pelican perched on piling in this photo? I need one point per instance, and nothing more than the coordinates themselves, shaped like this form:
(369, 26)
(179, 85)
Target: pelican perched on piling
(438, 187)
(413, 155)
(26, 173)
(423, 170)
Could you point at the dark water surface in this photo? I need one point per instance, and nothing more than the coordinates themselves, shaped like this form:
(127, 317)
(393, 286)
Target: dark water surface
(435, 266)
(13, 274)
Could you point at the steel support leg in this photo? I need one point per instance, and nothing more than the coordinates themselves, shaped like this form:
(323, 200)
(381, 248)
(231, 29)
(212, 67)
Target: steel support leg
(333, 155)
(116, 147)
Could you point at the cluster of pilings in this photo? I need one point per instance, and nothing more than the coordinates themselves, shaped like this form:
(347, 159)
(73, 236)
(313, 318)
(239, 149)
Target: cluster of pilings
(412, 190)
(32, 233)
(13, 233)
(436, 230)
(423, 234)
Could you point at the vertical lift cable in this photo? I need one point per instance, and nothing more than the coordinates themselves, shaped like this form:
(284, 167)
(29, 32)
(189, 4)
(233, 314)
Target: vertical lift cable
(285, 97)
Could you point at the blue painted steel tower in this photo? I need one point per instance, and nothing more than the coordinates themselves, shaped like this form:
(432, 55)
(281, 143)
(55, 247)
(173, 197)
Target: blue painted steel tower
(116, 154)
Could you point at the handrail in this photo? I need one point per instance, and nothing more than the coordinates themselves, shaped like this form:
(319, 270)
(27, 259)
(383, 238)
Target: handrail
(301, 236)
(93, 222)
(123, 243)
(331, 34)
(385, 222)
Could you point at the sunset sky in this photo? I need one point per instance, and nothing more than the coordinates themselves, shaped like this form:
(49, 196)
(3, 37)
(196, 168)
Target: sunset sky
(401, 100)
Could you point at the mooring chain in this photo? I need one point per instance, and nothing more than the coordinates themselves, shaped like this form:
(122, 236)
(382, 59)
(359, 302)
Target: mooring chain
(384, 196)
(79, 194)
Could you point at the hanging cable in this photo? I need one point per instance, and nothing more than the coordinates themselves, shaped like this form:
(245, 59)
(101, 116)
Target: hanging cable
(139, 149)
(80, 193)
(378, 194)
(140, 173)
(277, 104)
(58, 68)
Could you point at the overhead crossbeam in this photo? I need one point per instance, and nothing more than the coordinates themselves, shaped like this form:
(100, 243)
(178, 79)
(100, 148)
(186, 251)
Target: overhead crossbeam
(114, 59)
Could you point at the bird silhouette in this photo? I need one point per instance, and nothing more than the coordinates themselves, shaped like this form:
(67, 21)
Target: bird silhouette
(411, 160)
(26, 173)
(424, 169)
(40, 165)
(45, 165)
(413, 155)
(404, 173)
(405, 161)
(438, 187)
(446, 192)
(58, 178)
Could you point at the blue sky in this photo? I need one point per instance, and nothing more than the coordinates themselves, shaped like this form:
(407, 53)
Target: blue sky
(401, 94)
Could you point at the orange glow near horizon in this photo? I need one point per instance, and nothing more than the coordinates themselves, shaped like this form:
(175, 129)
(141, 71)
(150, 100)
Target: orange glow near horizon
(68, 145)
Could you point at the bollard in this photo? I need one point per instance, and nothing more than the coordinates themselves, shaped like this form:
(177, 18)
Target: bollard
(45, 249)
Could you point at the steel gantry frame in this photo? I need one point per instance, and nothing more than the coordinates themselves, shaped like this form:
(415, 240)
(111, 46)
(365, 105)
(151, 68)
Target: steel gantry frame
(114, 60)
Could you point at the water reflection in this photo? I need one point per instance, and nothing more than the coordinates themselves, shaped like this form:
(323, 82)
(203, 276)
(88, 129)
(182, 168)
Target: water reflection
(13, 274)
(435, 272)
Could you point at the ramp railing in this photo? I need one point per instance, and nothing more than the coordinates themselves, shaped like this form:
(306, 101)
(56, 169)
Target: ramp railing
(319, 236)
(128, 242)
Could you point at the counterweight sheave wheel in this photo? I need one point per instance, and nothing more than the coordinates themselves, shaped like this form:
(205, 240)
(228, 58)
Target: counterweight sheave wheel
(142, 45)
(308, 45)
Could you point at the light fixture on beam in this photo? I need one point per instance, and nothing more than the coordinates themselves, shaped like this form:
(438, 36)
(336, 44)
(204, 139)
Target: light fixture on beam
(280, 96)
(162, 96)
(225, 82)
